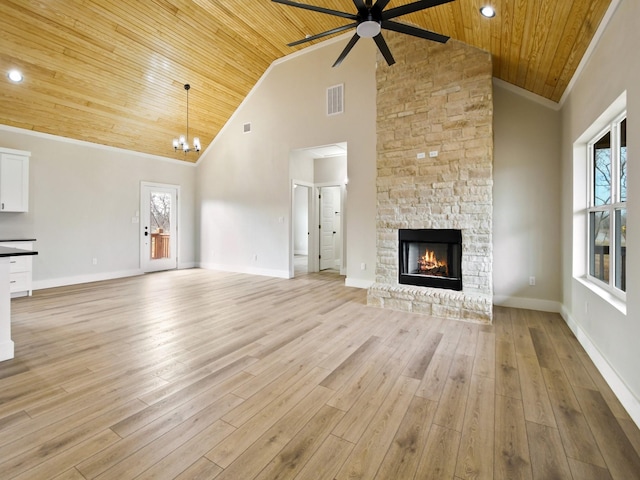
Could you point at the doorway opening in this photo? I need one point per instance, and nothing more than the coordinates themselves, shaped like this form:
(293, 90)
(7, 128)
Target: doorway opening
(318, 192)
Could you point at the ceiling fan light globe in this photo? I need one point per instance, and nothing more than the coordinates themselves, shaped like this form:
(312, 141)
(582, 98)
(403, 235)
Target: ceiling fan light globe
(488, 11)
(368, 29)
(15, 76)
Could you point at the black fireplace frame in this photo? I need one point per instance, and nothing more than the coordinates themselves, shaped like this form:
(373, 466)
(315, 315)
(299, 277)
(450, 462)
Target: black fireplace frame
(447, 236)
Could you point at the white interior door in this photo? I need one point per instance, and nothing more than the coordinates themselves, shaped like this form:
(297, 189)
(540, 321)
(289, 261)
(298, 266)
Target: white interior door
(158, 224)
(329, 226)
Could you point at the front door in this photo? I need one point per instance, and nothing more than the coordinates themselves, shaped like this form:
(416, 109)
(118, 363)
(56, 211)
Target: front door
(158, 217)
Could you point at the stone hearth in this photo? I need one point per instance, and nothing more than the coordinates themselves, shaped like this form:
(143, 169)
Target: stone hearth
(436, 98)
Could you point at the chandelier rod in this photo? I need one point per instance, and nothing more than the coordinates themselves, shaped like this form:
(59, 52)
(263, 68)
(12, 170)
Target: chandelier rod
(187, 87)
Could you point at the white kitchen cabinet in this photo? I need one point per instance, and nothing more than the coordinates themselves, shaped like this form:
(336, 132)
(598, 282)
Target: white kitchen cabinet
(14, 180)
(20, 269)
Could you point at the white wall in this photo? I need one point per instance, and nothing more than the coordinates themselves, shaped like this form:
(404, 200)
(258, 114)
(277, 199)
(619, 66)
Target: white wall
(330, 170)
(82, 199)
(526, 199)
(243, 179)
(610, 336)
(301, 166)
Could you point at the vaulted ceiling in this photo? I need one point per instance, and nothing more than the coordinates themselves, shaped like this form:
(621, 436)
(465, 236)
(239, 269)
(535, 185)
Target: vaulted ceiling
(112, 71)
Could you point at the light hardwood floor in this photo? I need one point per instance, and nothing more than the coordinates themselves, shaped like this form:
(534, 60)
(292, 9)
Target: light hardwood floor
(196, 374)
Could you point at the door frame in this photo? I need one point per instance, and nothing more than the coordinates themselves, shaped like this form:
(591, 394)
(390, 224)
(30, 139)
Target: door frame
(143, 250)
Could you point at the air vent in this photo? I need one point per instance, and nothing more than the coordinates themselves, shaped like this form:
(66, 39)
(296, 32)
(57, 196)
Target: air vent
(335, 99)
(246, 128)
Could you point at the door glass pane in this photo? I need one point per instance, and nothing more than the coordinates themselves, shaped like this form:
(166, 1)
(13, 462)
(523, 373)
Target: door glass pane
(623, 160)
(160, 210)
(602, 170)
(621, 249)
(599, 245)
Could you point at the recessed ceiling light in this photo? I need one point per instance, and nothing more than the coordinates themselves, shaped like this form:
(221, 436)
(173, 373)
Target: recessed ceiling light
(488, 11)
(15, 76)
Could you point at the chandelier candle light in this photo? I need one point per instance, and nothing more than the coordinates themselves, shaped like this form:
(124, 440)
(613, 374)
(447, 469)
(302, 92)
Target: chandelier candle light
(183, 141)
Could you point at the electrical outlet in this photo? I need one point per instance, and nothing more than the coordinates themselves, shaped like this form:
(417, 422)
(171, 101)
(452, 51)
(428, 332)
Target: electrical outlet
(255, 257)
(95, 261)
(532, 281)
(433, 153)
(363, 266)
(421, 155)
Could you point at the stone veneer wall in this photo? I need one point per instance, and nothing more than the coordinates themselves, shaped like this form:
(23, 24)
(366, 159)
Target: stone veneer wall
(435, 98)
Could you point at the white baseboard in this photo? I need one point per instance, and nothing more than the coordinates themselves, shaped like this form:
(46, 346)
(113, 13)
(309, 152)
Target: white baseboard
(7, 350)
(357, 283)
(266, 272)
(75, 280)
(527, 303)
(186, 265)
(628, 400)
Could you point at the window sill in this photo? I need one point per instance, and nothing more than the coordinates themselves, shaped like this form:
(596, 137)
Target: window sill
(616, 302)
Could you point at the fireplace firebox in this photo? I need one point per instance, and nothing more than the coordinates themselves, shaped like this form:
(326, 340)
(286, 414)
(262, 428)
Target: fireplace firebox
(430, 258)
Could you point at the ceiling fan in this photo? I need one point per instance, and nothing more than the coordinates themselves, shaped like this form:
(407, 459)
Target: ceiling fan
(369, 21)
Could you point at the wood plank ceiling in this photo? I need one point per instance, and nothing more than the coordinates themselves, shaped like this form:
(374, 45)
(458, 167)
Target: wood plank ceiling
(112, 71)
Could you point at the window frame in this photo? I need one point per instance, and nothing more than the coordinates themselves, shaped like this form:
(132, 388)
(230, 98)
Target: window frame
(615, 204)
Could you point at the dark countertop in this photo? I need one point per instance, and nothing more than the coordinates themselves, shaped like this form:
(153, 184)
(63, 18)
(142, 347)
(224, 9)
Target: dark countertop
(15, 252)
(18, 240)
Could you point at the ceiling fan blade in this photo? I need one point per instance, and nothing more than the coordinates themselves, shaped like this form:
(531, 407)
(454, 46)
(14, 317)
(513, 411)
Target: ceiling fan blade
(381, 4)
(384, 49)
(328, 11)
(323, 34)
(360, 5)
(412, 7)
(414, 31)
(347, 49)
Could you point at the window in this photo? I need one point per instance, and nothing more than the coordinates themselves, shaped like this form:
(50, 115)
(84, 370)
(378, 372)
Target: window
(607, 209)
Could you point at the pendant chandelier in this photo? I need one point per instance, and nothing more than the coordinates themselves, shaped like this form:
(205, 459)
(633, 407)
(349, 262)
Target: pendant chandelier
(183, 141)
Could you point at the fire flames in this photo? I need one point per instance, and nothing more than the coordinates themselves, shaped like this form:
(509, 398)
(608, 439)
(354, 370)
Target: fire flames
(430, 265)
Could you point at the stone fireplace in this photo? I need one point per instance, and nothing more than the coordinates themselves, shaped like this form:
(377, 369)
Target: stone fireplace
(434, 174)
